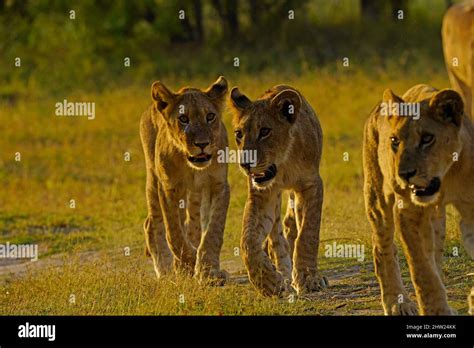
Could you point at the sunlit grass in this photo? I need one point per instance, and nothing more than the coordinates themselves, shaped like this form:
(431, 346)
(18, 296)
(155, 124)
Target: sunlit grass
(73, 158)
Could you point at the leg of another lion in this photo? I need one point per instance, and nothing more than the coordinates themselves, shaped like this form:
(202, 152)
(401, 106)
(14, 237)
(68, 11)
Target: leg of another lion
(192, 223)
(306, 277)
(414, 225)
(278, 248)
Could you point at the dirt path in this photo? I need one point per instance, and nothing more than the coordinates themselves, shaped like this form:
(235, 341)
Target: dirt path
(16, 268)
(346, 285)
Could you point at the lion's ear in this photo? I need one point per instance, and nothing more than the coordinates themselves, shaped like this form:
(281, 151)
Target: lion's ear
(218, 89)
(447, 106)
(239, 100)
(161, 95)
(390, 99)
(288, 103)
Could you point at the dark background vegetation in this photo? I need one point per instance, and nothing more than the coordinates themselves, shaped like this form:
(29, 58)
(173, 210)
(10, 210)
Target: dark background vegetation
(59, 54)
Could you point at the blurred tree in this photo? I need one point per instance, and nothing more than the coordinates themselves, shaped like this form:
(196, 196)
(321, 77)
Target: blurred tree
(199, 24)
(192, 23)
(60, 53)
(268, 17)
(15, 6)
(254, 10)
(375, 9)
(371, 9)
(229, 15)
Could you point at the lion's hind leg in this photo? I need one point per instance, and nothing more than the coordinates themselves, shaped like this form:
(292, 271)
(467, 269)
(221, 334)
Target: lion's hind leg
(290, 228)
(193, 219)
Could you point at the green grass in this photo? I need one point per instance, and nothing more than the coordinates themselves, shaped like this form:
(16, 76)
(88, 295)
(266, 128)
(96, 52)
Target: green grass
(73, 158)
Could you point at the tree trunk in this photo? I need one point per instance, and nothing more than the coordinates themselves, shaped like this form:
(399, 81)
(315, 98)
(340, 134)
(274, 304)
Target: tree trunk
(199, 24)
(187, 34)
(254, 12)
(232, 15)
(371, 9)
(228, 13)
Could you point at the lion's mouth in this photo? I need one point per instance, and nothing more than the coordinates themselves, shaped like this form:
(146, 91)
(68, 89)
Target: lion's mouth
(202, 157)
(429, 190)
(266, 175)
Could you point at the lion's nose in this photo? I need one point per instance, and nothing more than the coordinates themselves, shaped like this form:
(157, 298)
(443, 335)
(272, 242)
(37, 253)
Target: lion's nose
(201, 145)
(406, 174)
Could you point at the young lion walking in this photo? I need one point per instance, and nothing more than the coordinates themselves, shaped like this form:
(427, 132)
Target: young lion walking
(414, 165)
(186, 188)
(282, 128)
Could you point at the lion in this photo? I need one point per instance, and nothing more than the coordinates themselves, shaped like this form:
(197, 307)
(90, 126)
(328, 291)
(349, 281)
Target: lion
(458, 46)
(414, 165)
(283, 131)
(187, 191)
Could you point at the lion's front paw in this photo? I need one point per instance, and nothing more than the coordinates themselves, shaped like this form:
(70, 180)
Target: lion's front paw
(404, 308)
(271, 283)
(311, 283)
(215, 277)
(287, 289)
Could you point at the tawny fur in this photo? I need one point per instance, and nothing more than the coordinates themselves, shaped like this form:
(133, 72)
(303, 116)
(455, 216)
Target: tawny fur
(420, 221)
(458, 47)
(187, 203)
(294, 145)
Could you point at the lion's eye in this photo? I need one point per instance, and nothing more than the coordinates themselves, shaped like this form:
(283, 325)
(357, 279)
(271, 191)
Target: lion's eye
(238, 134)
(264, 132)
(184, 119)
(210, 117)
(395, 142)
(427, 139)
